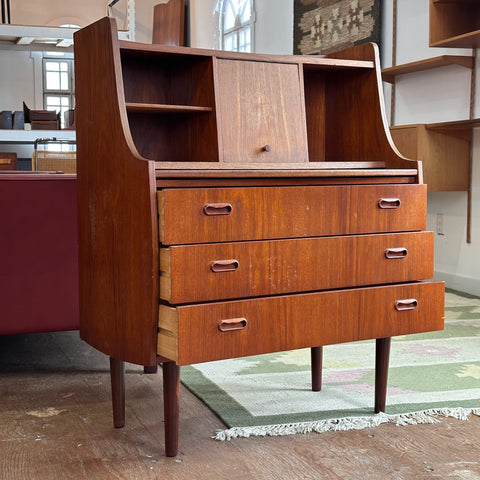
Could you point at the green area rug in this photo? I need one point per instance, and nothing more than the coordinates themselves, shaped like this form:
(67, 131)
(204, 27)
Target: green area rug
(431, 375)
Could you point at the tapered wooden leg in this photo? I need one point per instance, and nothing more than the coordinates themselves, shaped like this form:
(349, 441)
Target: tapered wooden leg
(171, 383)
(382, 356)
(117, 378)
(316, 354)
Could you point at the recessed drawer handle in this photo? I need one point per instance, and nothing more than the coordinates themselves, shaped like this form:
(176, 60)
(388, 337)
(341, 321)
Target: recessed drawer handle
(232, 324)
(224, 265)
(217, 209)
(407, 304)
(389, 202)
(391, 253)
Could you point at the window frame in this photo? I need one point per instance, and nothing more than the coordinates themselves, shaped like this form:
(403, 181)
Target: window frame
(239, 27)
(59, 93)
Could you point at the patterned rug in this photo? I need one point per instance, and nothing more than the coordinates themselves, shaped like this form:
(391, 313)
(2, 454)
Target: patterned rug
(431, 375)
(326, 26)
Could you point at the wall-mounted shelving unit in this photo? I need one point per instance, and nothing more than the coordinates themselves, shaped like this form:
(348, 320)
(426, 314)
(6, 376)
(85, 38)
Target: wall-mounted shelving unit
(444, 148)
(454, 23)
(27, 137)
(389, 74)
(433, 143)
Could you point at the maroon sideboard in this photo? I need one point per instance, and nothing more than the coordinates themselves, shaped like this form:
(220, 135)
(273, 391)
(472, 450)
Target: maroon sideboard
(38, 253)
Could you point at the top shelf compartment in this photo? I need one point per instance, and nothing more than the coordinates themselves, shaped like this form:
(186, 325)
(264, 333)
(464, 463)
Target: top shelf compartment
(454, 23)
(184, 108)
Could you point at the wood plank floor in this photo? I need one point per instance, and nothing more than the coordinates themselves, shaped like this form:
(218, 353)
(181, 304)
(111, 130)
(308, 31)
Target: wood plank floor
(55, 423)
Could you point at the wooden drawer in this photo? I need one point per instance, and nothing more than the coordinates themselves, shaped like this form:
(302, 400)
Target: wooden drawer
(213, 331)
(195, 273)
(198, 215)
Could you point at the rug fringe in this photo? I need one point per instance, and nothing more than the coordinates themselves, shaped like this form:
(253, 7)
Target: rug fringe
(347, 423)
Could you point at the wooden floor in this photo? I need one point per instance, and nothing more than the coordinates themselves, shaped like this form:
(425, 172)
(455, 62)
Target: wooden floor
(55, 423)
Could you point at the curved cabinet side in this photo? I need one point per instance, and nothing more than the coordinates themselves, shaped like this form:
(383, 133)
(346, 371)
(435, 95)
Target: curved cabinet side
(118, 240)
(357, 109)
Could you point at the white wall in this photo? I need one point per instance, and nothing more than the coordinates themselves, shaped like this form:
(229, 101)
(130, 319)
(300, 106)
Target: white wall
(437, 95)
(16, 80)
(273, 25)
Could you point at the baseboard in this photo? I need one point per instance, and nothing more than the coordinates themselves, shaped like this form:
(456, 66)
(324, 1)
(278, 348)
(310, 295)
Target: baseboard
(459, 282)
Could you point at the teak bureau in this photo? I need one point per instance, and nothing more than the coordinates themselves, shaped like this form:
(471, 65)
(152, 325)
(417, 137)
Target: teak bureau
(238, 204)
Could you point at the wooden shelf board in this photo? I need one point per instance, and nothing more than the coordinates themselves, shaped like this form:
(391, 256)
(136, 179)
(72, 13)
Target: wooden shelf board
(466, 40)
(29, 136)
(161, 108)
(460, 128)
(250, 170)
(455, 1)
(255, 172)
(389, 74)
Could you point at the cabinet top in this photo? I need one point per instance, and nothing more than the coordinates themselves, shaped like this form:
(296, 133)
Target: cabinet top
(140, 50)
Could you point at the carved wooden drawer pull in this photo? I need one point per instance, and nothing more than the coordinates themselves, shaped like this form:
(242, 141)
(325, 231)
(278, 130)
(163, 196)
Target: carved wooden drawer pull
(392, 253)
(224, 265)
(389, 203)
(407, 304)
(217, 209)
(232, 324)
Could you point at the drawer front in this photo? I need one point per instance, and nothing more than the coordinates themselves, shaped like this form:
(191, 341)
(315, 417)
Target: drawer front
(205, 332)
(200, 215)
(196, 273)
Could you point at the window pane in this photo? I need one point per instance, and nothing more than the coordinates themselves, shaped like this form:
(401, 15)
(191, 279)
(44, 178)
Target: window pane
(236, 27)
(52, 81)
(246, 13)
(52, 66)
(231, 42)
(64, 81)
(230, 16)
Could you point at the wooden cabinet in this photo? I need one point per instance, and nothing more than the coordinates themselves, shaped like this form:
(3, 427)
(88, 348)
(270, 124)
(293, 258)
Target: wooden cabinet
(454, 23)
(237, 204)
(445, 156)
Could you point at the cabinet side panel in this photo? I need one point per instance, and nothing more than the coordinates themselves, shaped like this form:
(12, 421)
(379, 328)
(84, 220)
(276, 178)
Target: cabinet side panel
(314, 84)
(357, 127)
(118, 241)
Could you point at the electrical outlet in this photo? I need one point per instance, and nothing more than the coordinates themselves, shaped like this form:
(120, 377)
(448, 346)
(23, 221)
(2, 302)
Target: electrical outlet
(440, 224)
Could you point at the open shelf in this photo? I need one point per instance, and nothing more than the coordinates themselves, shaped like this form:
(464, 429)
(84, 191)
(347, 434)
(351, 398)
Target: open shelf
(459, 128)
(161, 108)
(389, 74)
(444, 150)
(454, 23)
(455, 1)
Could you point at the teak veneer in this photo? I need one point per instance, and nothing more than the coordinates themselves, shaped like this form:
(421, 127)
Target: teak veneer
(237, 204)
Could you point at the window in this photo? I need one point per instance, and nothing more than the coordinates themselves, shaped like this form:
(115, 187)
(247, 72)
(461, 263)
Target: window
(236, 25)
(58, 87)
